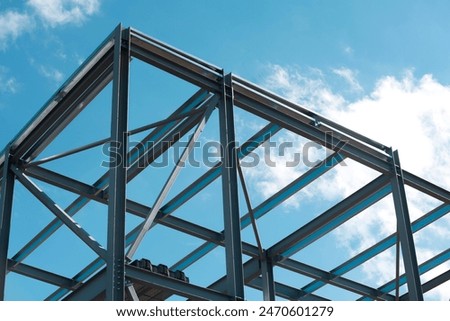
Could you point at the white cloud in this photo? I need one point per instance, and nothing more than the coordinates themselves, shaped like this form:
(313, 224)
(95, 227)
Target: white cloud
(60, 12)
(12, 25)
(309, 91)
(409, 113)
(52, 12)
(349, 76)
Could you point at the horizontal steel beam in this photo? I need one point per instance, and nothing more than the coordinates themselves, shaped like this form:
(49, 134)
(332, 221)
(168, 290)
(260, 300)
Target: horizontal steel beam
(42, 275)
(184, 289)
(175, 62)
(426, 187)
(335, 280)
(65, 182)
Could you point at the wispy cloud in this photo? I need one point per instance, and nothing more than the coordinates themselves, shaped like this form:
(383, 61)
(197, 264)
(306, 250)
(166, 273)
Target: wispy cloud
(350, 77)
(406, 112)
(51, 73)
(12, 25)
(53, 13)
(60, 12)
(348, 50)
(8, 84)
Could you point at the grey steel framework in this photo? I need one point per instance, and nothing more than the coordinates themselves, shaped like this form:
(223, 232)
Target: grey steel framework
(111, 276)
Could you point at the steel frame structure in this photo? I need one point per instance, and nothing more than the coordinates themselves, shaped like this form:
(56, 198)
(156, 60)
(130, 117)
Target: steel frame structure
(110, 63)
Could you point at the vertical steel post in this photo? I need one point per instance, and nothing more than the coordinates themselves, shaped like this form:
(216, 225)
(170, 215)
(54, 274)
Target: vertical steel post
(5, 220)
(405, 232)
(232, 229)
(267, 278)
(115, 263)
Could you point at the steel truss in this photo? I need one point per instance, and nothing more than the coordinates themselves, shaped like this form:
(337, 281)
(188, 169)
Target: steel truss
(225, 92)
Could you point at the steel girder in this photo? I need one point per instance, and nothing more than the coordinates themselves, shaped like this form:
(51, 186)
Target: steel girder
(110, 63)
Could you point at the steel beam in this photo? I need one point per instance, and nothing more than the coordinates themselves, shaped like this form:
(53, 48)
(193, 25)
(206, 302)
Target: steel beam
(329, 278)
(184, 289)
(405, 232)
(176, 62)
(66, 183)
(275, 111)
(232, 230)
(6, 203)
(42, 275)
(426, 187)
(308, 114)
(115, 262)
(66, 104)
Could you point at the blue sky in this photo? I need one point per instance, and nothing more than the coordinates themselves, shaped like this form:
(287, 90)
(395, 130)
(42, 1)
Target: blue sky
(380, 68)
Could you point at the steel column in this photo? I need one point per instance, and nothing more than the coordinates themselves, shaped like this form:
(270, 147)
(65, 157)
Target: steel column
(5, 220)
(405, 232)
(233, 246)
(115, 263)
(268, 283)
